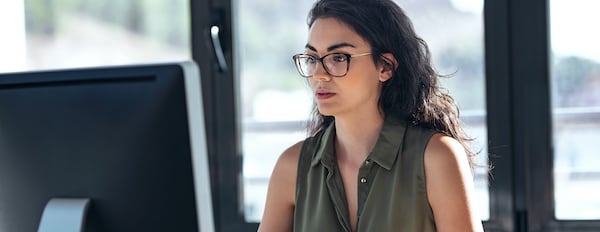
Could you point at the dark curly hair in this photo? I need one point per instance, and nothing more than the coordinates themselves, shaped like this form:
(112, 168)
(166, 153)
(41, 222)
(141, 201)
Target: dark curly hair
(413, 93)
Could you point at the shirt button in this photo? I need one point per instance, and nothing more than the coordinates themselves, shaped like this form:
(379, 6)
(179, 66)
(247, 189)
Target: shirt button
(367, 162)
(363, 180)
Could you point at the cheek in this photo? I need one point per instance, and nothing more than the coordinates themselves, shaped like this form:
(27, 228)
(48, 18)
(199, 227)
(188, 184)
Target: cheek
(369, 85)
(365, 68)
(312, 83)
(368, 77)
(361, 87)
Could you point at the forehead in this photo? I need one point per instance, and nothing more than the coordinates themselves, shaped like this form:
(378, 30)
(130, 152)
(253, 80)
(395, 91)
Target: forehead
(326, 32)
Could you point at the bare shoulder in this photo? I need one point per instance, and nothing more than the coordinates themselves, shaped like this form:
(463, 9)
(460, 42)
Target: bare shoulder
(450, 187)
(289, 157)
(442, 149)
(279, 207)
(285, 171)
(446, 168)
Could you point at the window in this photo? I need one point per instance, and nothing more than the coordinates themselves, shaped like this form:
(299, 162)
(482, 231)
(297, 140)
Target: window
(274, 100)
(575, 81)
(457, 51)
(77, 33)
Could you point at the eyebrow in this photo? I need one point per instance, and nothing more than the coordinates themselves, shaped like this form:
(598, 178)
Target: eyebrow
(332, 47)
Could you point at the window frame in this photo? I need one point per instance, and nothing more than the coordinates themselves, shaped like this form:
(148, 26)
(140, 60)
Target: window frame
(219, 96)
(498, 109)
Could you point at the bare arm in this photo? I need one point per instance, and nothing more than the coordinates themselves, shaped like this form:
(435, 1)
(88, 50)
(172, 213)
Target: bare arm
(279, 208)
(450, 187)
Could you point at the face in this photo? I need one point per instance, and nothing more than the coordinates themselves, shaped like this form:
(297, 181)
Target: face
(360, 88)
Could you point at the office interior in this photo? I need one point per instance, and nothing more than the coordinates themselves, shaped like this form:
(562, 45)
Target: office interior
(526, 75)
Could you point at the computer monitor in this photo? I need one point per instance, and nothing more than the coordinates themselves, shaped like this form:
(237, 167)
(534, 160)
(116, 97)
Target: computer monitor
(104, 149)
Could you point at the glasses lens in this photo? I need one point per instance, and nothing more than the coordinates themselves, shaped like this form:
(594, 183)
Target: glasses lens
(305, 64)
(336, 64)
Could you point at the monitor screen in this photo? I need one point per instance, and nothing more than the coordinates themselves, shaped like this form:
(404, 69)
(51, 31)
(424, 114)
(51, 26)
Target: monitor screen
(127, 141)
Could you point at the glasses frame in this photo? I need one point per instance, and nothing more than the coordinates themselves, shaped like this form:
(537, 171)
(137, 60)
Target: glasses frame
(297, 57)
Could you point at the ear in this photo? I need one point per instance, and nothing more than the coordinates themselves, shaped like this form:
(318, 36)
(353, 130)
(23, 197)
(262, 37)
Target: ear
(387, 66)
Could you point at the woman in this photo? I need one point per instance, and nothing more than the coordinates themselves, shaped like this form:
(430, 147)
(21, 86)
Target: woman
(386, 152)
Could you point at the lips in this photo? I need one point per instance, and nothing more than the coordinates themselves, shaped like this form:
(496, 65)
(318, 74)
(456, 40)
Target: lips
(323, 94)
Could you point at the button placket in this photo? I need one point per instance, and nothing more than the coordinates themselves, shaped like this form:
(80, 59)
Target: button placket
(365, 169)
(365, 176)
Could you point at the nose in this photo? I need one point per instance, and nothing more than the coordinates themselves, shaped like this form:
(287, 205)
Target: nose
(320, 73)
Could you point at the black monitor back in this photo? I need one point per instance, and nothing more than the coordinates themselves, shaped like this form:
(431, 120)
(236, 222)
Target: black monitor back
(120, 136)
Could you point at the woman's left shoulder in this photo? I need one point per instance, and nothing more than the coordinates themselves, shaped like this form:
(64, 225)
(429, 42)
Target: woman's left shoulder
(443, 148)
(446, 166)
(450, 187)
(445, 158)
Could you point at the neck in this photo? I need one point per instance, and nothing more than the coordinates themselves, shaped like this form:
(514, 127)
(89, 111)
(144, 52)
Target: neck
(356, 136)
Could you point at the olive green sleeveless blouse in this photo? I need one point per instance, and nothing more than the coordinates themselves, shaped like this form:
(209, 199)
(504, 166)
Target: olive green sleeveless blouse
(391, 184)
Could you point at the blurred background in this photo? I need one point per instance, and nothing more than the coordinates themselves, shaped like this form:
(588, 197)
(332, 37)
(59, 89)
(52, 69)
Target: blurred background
(273, 102)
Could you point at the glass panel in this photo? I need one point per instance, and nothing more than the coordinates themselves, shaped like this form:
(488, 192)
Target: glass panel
(274, 105)
(12, 45)
(454, 33)
(575, 108)
(76, 33)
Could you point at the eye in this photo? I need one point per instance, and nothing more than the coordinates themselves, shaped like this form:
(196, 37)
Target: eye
(338, 57)
(311, 59)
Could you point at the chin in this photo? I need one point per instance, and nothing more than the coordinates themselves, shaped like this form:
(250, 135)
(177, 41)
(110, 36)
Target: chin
(324, 114)
(327, 111)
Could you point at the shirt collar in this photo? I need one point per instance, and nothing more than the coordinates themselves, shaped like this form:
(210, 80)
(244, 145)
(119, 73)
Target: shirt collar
(389, 144)
(386, 150)
(326, 146)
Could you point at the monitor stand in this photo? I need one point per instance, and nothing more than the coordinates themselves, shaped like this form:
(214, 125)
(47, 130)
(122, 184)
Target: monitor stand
(64, 214)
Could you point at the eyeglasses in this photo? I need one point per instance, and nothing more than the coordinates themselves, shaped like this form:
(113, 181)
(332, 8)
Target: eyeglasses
(334, 64)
